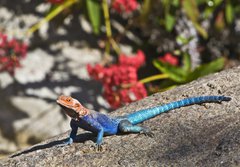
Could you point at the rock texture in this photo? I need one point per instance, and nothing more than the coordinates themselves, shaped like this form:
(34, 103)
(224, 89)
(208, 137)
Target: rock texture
(198, 135)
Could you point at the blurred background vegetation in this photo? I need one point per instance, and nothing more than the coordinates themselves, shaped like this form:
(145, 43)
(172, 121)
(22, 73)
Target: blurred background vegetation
(182, 39)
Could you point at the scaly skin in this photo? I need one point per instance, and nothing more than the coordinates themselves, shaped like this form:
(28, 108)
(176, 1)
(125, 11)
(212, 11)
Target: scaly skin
(102, 124)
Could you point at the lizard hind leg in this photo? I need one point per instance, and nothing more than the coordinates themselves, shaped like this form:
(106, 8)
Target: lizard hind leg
(126, 127)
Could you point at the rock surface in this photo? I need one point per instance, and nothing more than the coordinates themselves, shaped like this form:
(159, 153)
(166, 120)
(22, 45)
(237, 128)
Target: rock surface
(198, 135)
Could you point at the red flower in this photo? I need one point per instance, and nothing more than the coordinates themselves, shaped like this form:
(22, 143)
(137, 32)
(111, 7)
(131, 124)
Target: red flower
(135, 61)
(95, 72)
(120, 81)
(169, 58)
(117, 97)
(56, 1)
(11, 51)
(125, 5)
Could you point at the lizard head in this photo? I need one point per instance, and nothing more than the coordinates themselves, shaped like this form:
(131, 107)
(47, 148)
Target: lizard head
(72, 107)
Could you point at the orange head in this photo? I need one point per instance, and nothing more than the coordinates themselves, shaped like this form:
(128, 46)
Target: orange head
(72, 107)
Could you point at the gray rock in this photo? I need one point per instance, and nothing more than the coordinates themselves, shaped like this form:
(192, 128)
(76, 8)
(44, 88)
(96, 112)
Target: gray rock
(198, 135)
(36, 65)
(28, 99)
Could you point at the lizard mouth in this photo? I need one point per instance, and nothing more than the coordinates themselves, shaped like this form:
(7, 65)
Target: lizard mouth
(63, 104)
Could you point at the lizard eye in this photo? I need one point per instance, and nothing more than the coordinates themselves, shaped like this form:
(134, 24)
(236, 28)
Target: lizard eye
(68, 99)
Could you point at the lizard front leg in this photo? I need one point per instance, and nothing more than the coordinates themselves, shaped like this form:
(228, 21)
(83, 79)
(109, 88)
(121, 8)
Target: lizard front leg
(72, 135)
(127, 127)
(99, 139)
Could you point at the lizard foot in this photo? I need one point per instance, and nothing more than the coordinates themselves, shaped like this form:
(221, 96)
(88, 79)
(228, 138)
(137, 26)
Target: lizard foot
(97, 147)
(68, 142)
(147, 132)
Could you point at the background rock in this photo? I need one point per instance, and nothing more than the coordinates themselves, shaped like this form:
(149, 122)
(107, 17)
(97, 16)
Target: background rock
(28, 110)
(198, 135)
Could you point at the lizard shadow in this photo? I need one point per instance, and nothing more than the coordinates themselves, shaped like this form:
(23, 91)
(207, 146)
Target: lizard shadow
(81, 138)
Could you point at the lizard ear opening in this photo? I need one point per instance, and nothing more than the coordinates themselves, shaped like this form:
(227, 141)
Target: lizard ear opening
(77, 105)
(69, 99)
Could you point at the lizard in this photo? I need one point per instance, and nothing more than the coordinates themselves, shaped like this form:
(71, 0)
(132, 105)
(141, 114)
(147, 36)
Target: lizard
(103, 124)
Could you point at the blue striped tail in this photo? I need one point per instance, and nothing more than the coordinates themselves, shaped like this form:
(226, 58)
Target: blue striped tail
(146, 114)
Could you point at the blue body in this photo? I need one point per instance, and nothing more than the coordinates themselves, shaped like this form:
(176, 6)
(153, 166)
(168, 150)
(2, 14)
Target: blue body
(102, 124)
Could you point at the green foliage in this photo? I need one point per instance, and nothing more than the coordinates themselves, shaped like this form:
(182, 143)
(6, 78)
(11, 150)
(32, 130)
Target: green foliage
(184, 74)
(206, 69)
(169, 22)
(166, 16)
(170, 19)
(193, 8)
(183, 40)
(94, 13)
(229, 12)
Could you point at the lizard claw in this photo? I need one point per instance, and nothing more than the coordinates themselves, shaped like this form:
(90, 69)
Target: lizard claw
(97, 147)
(147, 132)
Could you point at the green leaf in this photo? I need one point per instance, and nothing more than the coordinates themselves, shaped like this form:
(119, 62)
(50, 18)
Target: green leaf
(182, 40)
(229, 13)
(186, 62)
(169, 22)
(177, 74)
(201, 30)
(205, 69)
(191, 9)
(94, 13)
(175, 3)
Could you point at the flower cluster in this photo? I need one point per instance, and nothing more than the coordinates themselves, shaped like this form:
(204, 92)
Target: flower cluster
(169, 58)
(11, 51)
(56, 1)
(120, 81)
(134, 61)
(126, 6)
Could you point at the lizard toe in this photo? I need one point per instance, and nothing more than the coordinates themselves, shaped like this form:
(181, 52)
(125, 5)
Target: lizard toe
(147, 132)
(97, 147)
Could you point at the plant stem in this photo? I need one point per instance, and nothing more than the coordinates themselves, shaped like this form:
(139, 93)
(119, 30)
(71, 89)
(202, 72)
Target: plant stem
(51, 15)
(107, 18)
(110, 40)
(146, 80)
(115, 46)
(107, 24)
(153, 78)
